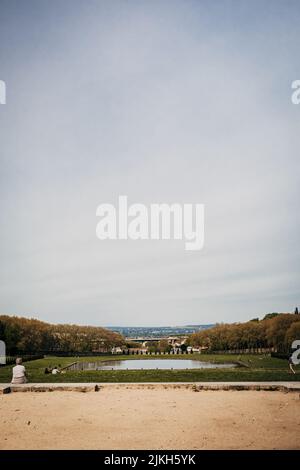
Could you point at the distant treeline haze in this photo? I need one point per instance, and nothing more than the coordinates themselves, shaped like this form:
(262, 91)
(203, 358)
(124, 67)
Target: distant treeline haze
(29, 335)
(274, 331)
(33, 336)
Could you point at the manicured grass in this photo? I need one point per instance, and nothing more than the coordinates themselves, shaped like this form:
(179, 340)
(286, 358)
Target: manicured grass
(259, 368)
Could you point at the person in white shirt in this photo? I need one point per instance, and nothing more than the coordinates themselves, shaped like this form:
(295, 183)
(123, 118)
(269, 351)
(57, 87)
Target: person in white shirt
(19, 373)
(55, 370)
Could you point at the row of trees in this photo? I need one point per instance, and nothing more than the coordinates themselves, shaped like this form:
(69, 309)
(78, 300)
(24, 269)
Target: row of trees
(275, 330)
(33, 336)
(159, 346)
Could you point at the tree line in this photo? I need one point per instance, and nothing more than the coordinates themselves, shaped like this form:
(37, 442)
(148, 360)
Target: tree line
(275, 330)
(33, 336)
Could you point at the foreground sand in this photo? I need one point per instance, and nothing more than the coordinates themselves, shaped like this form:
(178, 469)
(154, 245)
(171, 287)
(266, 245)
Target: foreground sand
(150, 419)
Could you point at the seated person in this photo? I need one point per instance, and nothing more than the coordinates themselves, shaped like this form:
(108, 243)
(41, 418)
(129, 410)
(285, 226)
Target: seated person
(55, 370)
(19, 373)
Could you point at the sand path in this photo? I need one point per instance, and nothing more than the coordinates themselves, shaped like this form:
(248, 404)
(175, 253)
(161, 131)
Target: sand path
(150, 419)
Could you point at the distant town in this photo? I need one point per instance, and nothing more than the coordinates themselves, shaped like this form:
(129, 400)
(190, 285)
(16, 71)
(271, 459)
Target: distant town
(139, 332)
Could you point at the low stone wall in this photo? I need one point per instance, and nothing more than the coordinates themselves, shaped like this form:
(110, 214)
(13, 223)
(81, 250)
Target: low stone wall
(196, 387)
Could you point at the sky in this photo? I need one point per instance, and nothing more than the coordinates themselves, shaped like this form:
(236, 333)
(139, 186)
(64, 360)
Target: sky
(183, 101)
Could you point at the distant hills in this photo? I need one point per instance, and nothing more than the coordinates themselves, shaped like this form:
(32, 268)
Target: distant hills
(157, 331)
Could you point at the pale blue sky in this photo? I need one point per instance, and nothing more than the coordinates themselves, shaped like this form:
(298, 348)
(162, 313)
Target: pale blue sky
(182, 101)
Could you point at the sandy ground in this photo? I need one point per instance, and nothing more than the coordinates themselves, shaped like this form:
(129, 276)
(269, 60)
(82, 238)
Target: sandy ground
(150, 419)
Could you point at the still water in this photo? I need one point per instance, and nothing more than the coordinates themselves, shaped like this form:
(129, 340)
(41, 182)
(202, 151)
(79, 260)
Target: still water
(143, 364)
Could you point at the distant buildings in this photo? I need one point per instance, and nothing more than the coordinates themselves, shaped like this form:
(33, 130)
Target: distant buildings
(157, 331)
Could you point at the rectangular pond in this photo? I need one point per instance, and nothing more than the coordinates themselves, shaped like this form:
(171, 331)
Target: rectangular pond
(148, 364)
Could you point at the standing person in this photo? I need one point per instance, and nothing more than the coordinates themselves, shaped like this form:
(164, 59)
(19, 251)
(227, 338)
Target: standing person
(19, 373)
(291, 365)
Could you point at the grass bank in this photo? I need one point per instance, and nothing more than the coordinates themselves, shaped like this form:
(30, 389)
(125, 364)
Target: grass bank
(256, 368)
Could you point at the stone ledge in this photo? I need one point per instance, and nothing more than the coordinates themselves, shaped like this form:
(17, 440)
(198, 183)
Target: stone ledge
(195, 386)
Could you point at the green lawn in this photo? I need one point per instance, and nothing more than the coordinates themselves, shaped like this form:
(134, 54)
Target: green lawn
(253, 368)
